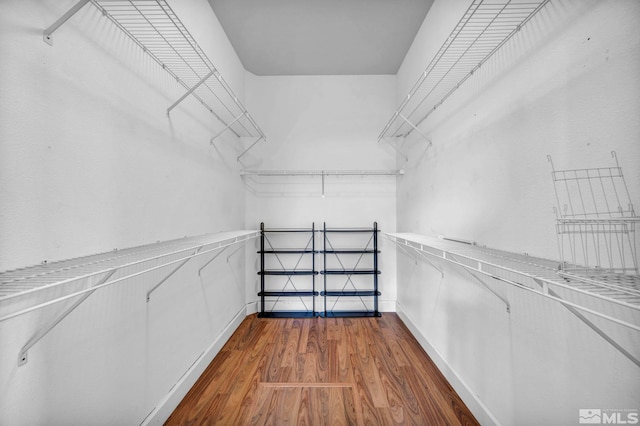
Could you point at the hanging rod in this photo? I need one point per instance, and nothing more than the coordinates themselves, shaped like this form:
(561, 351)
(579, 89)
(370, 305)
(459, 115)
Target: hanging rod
(157, 30)
(484, 28)
(322, 172)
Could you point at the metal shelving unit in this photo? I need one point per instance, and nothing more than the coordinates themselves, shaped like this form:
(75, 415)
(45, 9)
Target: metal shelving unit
(29, 289)
(365, 294)
(612, 297)
(485, 27)
(273, 263)
(157, 30)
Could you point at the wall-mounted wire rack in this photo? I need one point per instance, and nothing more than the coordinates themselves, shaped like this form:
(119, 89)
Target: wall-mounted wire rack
(267, 177)
(595, 221)
(29, 289)
(485, 27)
(157, 30)
(612, 298)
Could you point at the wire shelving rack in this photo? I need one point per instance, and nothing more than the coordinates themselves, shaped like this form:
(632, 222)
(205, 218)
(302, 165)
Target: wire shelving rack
(26, 290)
(595, 222)
(157, 30)
(483, 29)
(614, 298)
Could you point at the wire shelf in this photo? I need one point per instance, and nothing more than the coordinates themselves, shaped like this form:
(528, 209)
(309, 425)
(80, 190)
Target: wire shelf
(484, 28)
(83, 275)
(619, 292)
(157, 30)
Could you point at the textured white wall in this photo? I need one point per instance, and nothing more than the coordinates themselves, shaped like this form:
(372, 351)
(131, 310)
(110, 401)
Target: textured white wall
(566, 85)
(323, 123)
(89, 159)
(90, 162)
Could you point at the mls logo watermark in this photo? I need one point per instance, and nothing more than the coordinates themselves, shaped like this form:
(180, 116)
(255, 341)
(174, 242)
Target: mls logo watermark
(600, 416)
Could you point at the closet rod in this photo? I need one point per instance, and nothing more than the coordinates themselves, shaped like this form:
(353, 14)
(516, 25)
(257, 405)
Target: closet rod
(322, 172)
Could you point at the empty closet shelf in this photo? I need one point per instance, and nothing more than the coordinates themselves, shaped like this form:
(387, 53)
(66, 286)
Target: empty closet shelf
(350, 272)
(288, 272)
(350, 293)
(288, 293)
(614, 297)
(63, 280)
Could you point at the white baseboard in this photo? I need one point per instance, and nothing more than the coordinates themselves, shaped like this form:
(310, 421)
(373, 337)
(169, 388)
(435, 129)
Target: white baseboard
(169, 403)
(383, 306)
(253, 308)
(479, 410)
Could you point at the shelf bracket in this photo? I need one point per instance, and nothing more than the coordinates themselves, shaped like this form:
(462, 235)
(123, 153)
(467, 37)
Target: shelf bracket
(237, 250)
(180, 265)
(227, 127)
(415, 128)
(48, 33)
(250, 146)
(212, 259)
(190, 91)
(426, 259)
(591, 325)
(407, 252)
(22, 357)
(480, 281)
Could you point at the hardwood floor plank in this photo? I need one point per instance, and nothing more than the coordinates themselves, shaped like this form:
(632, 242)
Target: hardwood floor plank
(322, 371)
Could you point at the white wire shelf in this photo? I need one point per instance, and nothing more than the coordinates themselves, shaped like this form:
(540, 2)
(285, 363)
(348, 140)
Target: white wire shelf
(538, 275)
(157, 30)
(485, 27)
(84, 275)
(595, 220)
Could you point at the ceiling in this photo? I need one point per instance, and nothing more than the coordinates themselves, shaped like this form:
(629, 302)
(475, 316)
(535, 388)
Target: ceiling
(321, 37)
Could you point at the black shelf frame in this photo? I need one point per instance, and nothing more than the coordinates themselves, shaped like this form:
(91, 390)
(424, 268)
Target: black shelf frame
(267, 249)
(328, 249)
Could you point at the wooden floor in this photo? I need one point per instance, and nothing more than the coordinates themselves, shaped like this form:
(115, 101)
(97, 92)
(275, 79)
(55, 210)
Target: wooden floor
(322, 371)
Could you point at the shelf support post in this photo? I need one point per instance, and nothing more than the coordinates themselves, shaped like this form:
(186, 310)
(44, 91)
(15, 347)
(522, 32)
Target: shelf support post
(190, 91)
(46, 35)
(22, 357)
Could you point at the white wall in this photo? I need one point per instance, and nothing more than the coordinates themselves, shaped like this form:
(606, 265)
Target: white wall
(323, 123)
(90, 162)
(567, 86)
